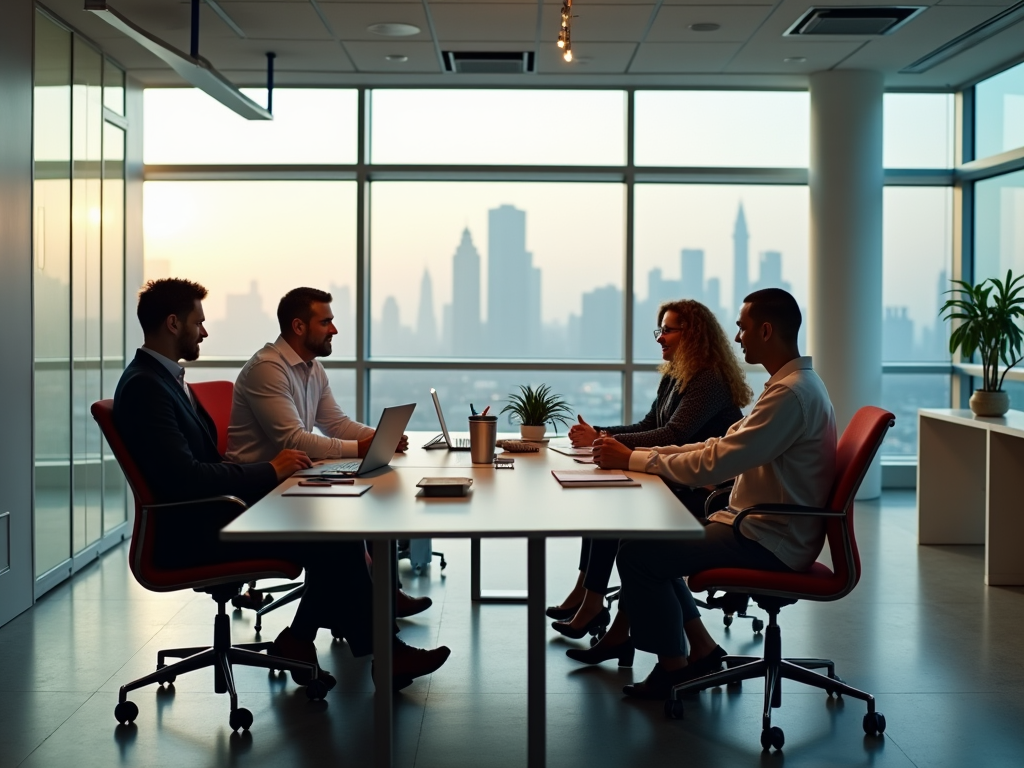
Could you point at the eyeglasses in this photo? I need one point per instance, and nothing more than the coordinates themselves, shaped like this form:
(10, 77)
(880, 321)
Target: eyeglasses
(659, 332)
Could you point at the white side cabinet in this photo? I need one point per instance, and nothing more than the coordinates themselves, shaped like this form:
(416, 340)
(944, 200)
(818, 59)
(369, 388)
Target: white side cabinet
(970, 487)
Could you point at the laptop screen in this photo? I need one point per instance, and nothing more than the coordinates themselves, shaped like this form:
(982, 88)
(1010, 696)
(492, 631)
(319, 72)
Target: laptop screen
(440, 417)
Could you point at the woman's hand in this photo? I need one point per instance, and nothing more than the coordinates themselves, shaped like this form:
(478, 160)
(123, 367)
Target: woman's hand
(609, 453)
(582, 434)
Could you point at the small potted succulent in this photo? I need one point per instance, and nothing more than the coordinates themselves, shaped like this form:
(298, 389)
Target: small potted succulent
(987, 314)
(533, 408)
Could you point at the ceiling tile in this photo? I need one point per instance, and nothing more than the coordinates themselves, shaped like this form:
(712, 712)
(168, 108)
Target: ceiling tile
(281, 20)
(737, 23)
(933, 28)
(590, 59)
(350, 20)
(370, 56)
(675, 58)
(482, 23)
(600, 23)
(292, 55)
(769, 55)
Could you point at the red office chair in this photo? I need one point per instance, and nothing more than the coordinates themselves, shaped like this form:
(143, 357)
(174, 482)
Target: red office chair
(216, 398)
(220, 580)
(773, 590)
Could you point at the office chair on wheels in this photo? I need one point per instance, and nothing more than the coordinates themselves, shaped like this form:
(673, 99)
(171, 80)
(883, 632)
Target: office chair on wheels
(216, 398)
(219, 580)
(773, 590)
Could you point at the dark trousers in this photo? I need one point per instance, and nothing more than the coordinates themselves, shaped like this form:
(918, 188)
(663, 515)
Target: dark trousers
(339, 591)
(597, 556)
(654, 596)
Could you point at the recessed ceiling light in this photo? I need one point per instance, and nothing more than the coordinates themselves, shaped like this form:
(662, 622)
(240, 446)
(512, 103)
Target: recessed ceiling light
(393, 29)
(396, 57)
(795, 60)
(705, 27)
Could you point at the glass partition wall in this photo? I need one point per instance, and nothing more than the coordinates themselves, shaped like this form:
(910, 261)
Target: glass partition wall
(79, 257)
(475, 240)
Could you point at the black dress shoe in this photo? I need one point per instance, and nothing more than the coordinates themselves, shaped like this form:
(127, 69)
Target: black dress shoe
(603, 619)
(603, 652)
(558, 613)
(660, 682)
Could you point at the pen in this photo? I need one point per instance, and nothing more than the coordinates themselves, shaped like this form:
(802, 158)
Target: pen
(472, 409)
(486, 410)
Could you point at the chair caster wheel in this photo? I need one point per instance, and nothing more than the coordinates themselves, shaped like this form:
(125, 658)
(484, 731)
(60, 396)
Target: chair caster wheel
(758, 625)
(417, 570)
(169, 680)
(874, 723)
(317, 690)
(240, 719)
(674, 709)
(444, 563)
(772, 737)
(727, 620)
(125, 712)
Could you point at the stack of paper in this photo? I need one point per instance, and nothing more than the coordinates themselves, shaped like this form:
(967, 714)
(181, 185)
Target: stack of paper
(593, 478)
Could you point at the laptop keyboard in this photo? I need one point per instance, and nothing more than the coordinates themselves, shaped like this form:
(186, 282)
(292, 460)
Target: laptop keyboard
(344, 466)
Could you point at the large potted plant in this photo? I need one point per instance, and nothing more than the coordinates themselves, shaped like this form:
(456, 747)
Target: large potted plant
(533, 408)
(987, 314)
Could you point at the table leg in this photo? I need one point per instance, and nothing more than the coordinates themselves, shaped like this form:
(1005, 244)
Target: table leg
(478, 595)
(383, 637)
(951, 468)
(536, 683)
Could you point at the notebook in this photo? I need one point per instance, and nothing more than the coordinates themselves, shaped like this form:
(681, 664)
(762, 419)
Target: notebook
(593, 478)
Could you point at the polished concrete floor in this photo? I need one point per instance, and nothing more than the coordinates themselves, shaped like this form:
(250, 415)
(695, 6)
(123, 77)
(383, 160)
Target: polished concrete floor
(939, 650)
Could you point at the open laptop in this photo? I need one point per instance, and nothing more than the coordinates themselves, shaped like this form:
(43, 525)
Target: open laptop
(444, 440)
(390, 429)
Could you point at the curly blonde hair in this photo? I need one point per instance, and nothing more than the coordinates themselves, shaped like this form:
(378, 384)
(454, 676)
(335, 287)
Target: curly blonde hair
(703, 345)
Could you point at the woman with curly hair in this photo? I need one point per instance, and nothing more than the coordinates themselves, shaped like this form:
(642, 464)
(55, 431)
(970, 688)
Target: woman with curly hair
(701, 392)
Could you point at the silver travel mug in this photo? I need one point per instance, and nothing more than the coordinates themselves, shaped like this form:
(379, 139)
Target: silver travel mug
(483, 431)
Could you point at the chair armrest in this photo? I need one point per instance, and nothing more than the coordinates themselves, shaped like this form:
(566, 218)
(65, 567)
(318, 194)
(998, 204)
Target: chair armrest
(722, 489)
(787, 510)
(195, 503)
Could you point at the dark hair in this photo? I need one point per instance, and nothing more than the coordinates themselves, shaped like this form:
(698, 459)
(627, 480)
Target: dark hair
(159, 299)
(778, 307)
(298, 303)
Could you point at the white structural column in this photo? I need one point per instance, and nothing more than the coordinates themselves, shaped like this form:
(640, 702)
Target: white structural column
(845, 328)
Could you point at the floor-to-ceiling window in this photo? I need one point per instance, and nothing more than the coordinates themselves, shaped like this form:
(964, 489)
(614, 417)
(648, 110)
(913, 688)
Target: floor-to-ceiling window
(79, 257)
(997, 173)
(474, 240)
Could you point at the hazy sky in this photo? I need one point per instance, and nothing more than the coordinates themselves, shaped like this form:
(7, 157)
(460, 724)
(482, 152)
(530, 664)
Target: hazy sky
(286, 233)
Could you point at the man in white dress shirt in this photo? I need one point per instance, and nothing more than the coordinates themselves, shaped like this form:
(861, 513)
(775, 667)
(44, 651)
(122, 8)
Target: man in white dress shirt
(784, 452)
(283, 392)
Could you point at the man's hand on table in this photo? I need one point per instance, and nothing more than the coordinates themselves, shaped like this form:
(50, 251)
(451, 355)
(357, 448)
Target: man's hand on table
(288, 462)
(609, 453)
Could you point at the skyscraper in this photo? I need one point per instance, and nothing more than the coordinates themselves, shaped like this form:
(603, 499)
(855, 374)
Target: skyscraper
(465, 311)
(770, 272)
(740, 256)
(692, 274)
(513, 285)
(426, 323)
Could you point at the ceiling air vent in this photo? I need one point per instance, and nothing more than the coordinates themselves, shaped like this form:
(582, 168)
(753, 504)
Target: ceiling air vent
(488, 62)
(859, 21)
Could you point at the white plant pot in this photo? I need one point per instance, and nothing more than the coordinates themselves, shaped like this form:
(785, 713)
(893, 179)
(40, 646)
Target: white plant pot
(529, 432)
(989, 403)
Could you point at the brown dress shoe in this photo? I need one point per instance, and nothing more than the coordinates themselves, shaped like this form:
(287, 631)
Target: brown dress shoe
(409, 663)
(406, 605)
(288, 646)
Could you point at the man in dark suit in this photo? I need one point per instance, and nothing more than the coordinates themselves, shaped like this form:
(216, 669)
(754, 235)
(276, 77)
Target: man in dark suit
(173, 441)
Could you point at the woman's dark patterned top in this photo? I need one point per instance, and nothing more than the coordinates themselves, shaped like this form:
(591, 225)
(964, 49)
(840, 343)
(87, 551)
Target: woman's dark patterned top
(703, 409)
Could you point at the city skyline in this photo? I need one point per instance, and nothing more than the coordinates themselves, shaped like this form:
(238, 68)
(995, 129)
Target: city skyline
(461, 328)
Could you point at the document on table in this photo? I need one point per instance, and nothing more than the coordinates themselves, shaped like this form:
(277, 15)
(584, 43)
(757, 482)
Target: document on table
(327, 490)
(568, 450)
(593, 478)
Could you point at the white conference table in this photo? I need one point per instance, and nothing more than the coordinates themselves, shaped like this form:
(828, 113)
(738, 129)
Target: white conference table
(525, 502)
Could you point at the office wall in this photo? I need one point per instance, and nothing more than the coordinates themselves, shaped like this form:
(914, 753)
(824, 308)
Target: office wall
(16, 36)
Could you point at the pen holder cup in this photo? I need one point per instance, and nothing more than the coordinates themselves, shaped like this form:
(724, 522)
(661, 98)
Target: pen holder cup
(483, 432)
